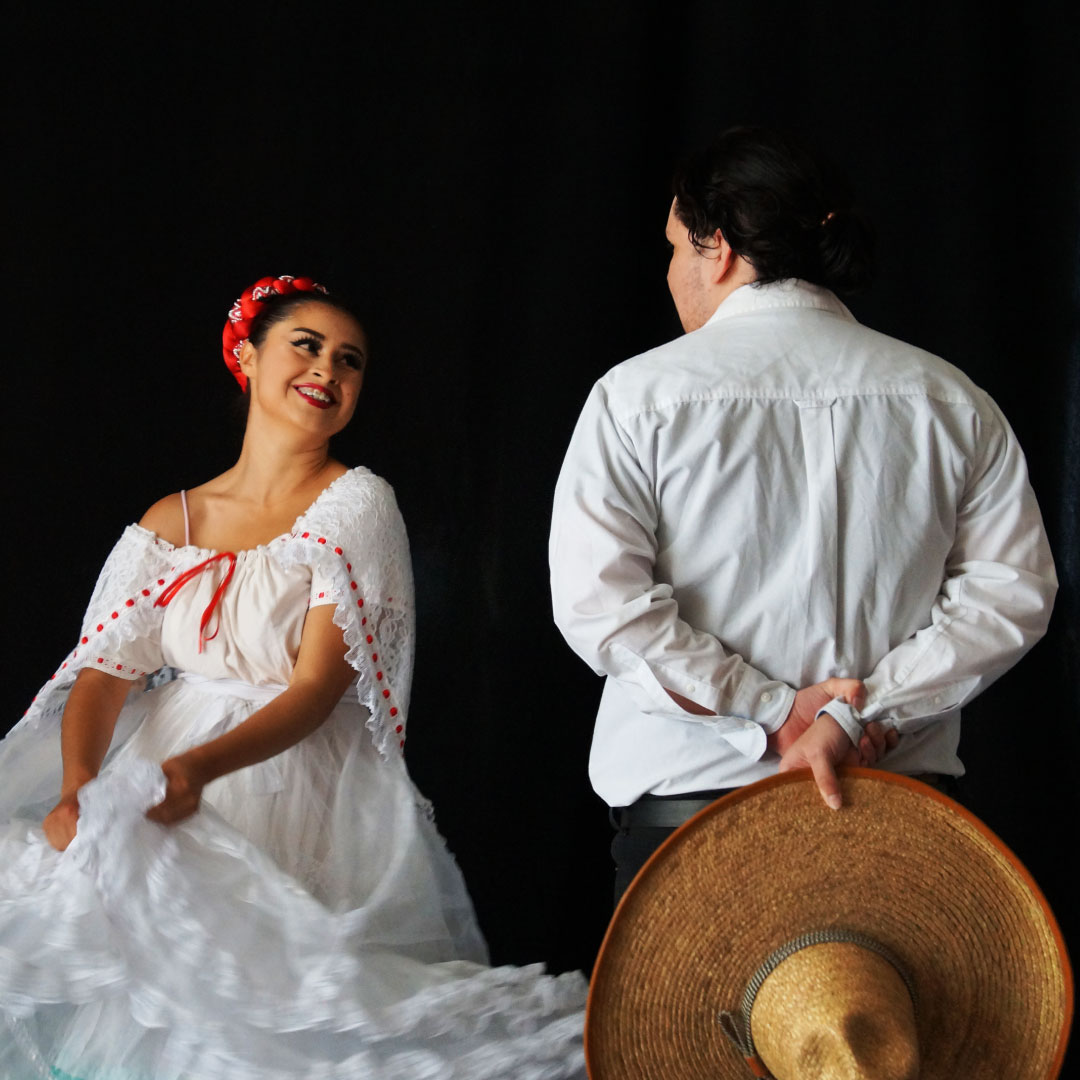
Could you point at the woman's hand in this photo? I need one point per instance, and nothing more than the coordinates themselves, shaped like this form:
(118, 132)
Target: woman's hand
(61, 823)
(183, 791)
(85, 732)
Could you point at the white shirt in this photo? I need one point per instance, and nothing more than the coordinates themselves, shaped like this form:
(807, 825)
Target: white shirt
(780, 497)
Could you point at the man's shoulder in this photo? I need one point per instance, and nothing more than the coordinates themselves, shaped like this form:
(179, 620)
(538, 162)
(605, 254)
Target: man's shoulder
(879, 364)
(698, 356)
(747, 357)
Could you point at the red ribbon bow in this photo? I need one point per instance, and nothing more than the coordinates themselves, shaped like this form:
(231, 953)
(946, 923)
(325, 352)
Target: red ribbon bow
(170, 591)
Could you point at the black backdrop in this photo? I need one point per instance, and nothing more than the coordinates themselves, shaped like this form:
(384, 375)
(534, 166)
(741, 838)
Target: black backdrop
(492, 183)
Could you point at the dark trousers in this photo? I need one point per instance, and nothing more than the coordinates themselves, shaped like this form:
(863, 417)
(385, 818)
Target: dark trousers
(631, 849)
(637, 835)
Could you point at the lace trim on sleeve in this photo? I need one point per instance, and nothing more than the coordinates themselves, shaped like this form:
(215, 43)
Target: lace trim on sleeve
(353, 538)
(121, 612)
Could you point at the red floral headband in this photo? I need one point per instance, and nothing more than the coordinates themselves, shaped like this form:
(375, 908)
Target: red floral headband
(238, 327)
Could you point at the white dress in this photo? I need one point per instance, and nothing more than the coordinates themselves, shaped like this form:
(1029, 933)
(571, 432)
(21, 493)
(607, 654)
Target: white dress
(308, 922)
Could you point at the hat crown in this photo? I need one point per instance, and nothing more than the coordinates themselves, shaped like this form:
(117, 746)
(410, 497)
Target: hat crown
(836, 1011)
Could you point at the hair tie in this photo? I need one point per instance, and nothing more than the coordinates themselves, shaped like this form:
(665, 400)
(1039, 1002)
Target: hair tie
(242, 313)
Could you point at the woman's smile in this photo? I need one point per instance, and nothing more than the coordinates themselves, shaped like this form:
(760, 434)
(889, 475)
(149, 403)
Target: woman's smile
(314, 394)
(318, 355)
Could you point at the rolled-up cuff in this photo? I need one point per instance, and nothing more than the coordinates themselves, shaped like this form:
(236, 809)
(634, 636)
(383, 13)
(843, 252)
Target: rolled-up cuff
(846, 716)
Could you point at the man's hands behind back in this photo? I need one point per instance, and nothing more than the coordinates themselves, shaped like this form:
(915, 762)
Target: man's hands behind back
(821, 744)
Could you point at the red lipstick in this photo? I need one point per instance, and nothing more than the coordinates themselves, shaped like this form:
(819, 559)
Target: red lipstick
(300, 388)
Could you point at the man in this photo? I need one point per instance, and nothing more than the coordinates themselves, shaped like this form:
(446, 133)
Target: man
(787, 540)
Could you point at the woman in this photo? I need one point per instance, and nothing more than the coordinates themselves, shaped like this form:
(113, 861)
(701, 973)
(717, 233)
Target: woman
(239, 879)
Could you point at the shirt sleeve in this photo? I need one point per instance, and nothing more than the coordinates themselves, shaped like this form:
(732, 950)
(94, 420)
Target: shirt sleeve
(617, 617)
(995, 599)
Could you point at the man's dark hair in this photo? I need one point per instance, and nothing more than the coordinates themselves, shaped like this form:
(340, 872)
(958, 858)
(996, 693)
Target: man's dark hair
(789, 215)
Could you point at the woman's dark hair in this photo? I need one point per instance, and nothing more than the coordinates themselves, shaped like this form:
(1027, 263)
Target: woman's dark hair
(275, 309)
(789, 215)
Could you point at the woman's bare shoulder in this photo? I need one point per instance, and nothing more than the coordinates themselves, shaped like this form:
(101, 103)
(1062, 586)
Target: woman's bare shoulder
(166, 519)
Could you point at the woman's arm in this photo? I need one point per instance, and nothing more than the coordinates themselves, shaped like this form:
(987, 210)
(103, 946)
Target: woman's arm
(85, 733)
(320, 677)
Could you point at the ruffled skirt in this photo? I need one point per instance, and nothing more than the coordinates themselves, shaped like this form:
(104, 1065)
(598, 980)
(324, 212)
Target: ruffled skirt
(307, 924)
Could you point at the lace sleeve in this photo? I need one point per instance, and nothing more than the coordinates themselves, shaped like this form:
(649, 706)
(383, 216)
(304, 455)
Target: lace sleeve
(354, 540)
(121, 630)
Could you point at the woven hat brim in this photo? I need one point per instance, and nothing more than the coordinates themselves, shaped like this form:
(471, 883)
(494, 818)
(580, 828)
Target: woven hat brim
(900, 862)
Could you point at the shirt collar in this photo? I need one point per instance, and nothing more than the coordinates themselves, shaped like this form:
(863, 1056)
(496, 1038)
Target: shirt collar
(791, 293)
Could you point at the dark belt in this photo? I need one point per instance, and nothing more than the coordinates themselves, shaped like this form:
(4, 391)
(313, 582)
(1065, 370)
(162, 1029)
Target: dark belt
(664, 811)
(671, 811)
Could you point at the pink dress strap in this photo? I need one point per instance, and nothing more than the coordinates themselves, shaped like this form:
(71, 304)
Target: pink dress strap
(187, 520)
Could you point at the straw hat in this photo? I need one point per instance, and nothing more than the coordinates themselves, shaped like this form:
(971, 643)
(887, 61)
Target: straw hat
(895, 938)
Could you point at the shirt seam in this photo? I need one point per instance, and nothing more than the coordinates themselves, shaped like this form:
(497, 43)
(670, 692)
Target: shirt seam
(792, 396)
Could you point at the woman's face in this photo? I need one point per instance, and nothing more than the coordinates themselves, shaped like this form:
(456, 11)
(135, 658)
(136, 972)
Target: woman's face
(309, 368)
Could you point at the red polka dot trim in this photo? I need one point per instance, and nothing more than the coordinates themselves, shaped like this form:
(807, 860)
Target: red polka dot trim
(85, 640)
(354, 587)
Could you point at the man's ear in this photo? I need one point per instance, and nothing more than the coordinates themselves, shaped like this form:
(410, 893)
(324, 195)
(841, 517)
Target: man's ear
(723, 260)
